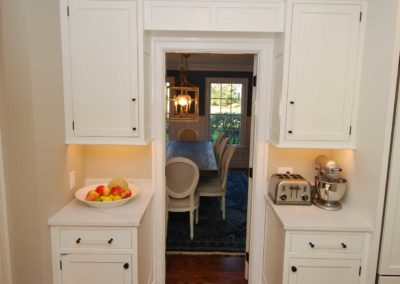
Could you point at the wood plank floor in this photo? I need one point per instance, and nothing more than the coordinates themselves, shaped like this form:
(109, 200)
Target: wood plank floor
(205, 269)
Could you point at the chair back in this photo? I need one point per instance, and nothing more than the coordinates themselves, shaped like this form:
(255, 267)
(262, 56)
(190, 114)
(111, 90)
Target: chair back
(218, 141)
(188, 134)
(226, 160)
(182, 176)
(220, 150)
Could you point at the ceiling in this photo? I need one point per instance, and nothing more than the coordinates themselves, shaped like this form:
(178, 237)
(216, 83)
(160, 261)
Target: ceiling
(212, 62)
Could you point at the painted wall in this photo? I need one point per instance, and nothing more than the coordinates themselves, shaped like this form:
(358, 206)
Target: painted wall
(36, 159)
(366, 166)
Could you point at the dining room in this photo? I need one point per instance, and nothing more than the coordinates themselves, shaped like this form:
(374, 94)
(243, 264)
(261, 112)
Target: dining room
(208, 137)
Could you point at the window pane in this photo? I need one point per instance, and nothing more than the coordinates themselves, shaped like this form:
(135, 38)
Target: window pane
(237, 91)
(226, 91)
(215, 90)
(215, 106)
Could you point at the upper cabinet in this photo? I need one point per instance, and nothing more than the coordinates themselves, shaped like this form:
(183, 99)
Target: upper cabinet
(224, 15)
(104, 63)
(315, 102)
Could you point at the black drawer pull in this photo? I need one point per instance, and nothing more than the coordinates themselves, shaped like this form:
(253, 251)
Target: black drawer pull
(110, 241)
(290, 131)
(294, 268)
(126, 265)
(344, 245)
(78, 240)
(311, 245)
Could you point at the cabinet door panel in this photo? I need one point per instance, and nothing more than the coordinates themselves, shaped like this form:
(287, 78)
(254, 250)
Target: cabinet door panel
(322, 71)
(326, 271)
(103, 37)
(96, 268)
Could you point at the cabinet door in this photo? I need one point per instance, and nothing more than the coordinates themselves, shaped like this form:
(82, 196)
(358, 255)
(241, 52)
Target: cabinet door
(326, 271)
(103, 52)
(96, 268)
(322, 71)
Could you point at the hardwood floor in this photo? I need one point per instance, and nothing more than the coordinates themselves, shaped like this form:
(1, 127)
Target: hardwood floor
(205, 269)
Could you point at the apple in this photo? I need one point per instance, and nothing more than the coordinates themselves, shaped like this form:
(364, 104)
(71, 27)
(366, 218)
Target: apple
(106, 198)
(103, 190)
(92, 195)
(116, 190)
(125, 193)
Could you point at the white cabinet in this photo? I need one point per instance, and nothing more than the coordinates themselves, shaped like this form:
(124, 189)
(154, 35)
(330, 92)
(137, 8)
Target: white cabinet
(236, 16)
(309, 245)
(96, 268)
(327, 271)
(317, 102)
(103, 61)
(102, 246)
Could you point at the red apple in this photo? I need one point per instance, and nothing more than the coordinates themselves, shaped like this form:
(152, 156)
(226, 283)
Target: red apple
(116, 190)
(92, 195)
(125, 193)
(103, 190)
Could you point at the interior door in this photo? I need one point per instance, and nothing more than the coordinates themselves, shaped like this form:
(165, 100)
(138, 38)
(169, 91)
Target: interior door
(251, 158)
(103, 44)
(96, 268)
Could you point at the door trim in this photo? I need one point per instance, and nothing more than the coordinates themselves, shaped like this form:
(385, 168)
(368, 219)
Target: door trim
(4, 234)
(202, 44)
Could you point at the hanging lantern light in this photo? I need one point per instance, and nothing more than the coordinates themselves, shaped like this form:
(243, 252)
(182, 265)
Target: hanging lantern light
(184, 97)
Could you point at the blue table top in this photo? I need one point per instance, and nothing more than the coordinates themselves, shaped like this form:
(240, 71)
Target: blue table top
(200, 152)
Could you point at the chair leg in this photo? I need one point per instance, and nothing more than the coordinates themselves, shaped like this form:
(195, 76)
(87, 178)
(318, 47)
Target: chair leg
(223, 207)
(191, 225)
(197, 215)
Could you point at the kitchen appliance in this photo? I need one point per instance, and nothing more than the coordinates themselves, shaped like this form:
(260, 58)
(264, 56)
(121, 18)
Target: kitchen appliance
(329, 186)
(290, 189)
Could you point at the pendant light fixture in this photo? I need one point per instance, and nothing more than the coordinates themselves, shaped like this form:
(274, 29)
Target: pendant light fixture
(184, 96)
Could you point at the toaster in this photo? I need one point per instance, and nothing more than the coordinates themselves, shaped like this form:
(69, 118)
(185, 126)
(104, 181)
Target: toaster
(291, 189)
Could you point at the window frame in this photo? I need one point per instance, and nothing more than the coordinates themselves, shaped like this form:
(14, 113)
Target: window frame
(228, 80)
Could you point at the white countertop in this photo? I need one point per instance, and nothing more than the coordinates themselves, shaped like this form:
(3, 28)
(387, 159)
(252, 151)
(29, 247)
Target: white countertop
(313, 218)
(130, 214)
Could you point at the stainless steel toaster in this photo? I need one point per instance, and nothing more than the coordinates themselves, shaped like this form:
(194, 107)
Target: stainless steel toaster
(291, 189)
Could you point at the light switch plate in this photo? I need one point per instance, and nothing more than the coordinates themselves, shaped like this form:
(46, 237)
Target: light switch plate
(72, 181)
(285, 170)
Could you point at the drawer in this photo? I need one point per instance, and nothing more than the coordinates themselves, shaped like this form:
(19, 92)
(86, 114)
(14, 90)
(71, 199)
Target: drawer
(327, 243)
(95, 238)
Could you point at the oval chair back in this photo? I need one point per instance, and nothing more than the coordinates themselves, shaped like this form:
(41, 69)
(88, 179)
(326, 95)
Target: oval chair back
(188, 134)
(182, 176)
(218, 141)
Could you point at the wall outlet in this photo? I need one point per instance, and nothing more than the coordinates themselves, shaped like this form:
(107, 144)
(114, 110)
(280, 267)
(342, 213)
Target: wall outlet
(72, 181)
(285, 170)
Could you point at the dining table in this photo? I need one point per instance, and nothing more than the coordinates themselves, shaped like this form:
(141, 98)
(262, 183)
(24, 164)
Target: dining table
(200, 152)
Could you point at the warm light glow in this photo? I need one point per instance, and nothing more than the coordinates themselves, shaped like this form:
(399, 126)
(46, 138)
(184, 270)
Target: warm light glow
(183, 100)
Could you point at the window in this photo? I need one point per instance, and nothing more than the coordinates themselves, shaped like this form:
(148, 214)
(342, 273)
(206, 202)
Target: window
(227, 108)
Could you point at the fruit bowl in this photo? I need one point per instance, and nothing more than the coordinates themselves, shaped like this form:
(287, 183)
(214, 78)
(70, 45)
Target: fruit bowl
(81, 193)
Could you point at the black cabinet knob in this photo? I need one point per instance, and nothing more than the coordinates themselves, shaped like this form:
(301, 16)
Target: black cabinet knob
(294, 268)
(110, 241)
(344, 245)
(126, 265)
(311, 244)
(290, 131)
(134, 128)
(78, 240)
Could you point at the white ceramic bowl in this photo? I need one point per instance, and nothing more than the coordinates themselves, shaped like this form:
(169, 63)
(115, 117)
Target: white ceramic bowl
(81, 193)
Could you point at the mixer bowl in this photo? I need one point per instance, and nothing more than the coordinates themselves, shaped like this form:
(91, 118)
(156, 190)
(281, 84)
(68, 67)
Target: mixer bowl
(331, 190)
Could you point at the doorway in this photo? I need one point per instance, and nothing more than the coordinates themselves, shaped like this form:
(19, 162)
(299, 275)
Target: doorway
(263, 49)
(224, 104)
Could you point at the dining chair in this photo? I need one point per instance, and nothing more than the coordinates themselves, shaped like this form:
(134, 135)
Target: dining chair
(182, 177)
(188, 134)
(216, 186)
(218, 141)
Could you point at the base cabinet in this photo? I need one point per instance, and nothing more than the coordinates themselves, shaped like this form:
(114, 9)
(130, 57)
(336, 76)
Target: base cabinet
(96, 268)
(327, 271)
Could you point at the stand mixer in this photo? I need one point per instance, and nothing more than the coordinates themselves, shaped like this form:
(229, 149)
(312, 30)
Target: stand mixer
(329, 186)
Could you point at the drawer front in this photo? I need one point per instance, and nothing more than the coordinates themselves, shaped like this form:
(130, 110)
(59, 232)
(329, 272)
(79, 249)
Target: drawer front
(327, 243)
(95, 238)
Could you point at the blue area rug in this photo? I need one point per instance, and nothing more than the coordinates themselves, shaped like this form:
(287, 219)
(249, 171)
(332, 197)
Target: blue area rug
(212, 234)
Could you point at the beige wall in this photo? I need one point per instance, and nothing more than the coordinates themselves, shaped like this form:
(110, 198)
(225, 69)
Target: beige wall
(36, 159)
(118, 161)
